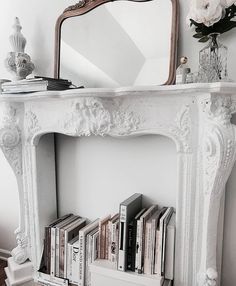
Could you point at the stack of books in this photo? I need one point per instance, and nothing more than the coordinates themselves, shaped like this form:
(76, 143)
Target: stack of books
(35, 84)
(135, 239)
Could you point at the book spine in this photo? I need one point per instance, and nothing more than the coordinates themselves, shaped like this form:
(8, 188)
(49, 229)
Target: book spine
(57, 252)
(140, 247)
(129, 245)
(87, 260)
(110, 240)
(170, 253)
(47, 249)
(53, 244)
(61, 252)
(95, 246)
(107, 234)
(69, 262)
(137, 246)
(75, 264)
(153, 241)
(147, 249)
(81, 258)
(122, 239)
(157, 267)
(114, 241)
(65, 252)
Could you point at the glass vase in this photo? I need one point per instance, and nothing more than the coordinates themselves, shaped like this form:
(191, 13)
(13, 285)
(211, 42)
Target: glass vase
(213, 61)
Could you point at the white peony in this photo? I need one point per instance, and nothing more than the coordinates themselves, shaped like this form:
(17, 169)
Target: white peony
(207, 12)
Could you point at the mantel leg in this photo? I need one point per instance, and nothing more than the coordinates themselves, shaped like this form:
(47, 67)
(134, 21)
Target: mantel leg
(11, 145)
(218, 157)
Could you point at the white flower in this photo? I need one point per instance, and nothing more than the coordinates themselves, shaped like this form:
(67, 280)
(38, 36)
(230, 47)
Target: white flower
(207, 12)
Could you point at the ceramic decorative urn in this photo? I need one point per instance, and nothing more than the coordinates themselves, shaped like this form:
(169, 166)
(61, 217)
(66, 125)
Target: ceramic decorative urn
(17, 61)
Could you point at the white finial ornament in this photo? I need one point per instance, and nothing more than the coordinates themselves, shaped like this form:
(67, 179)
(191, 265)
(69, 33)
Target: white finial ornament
(17, 61)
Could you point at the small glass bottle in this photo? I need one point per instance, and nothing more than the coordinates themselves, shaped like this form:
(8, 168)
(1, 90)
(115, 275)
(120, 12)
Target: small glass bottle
(182, 71)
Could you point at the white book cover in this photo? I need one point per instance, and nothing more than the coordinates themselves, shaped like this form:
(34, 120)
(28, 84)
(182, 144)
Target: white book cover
(170, 248)
(95, 246)
(53, 244)
(82, 249)
(88, 257)
(69, 233)
(70, 256)
(75, 262)
(160, 243)
(57, 241)
(140, 241)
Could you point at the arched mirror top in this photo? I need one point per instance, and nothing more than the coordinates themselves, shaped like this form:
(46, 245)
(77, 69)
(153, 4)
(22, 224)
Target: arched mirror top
(114, 44)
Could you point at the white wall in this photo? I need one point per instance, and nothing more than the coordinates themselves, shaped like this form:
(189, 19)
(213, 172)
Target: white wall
(38, 19)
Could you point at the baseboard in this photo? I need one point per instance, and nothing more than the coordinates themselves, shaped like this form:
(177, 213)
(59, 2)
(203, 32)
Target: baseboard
(4, 254)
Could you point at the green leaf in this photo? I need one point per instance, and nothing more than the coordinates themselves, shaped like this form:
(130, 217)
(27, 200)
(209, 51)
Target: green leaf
(204, 39)
(198, 36)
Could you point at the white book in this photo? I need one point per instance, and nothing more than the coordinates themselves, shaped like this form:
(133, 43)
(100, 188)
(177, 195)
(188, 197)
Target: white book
(57, 242)
(53, 242)
(160, 250)
(95, 243)
(82, 249)
(70, 257)
(170, 248)
(53, 245)
(88, 257)
(140, 239)
(114, 241)
(69, 233)
(75, 262)
(128, 209)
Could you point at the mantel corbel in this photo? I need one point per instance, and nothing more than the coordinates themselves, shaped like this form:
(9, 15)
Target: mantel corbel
(217, 157)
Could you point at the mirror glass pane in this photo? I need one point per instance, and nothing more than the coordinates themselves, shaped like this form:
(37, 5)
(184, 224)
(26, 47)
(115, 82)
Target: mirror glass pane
(121, 43)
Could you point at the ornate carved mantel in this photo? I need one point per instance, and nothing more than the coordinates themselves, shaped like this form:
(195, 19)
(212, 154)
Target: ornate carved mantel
(196, 117)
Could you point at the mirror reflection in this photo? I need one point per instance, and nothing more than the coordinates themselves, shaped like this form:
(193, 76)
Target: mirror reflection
(121, 43)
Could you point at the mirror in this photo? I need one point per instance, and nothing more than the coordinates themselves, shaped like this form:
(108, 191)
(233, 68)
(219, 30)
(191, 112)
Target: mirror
(120, 43)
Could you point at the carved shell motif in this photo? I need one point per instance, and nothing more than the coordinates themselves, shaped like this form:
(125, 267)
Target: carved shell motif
(10, 140)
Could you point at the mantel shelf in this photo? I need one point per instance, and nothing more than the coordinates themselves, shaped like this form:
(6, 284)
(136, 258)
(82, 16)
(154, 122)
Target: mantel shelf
(170, 90)
(197, 117)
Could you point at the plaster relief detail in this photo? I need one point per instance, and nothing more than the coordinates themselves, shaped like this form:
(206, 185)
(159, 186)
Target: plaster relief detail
(90, 117)
(218, 157)
(10, 139)
(219, 108)
(182, 130)
(32, 125)
(20, 253)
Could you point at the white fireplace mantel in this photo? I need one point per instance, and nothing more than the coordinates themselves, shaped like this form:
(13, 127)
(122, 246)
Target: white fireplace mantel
(195, 116)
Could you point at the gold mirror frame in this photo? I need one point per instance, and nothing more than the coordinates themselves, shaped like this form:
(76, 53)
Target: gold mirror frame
(84, 6)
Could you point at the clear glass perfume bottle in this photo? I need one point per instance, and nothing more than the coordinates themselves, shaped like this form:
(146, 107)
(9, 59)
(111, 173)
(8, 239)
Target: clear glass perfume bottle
(182, 71)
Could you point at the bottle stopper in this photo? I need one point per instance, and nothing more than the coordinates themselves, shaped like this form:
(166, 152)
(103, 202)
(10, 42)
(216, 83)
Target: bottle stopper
(183, 60)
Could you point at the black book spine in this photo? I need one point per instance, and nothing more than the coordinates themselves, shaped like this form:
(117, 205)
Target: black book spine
(131, 245)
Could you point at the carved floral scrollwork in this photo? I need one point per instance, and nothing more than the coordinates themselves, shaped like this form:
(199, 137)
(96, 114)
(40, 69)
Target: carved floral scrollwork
(181, 130)
(10, 139)
(219, 137)
(32, 125)
(219, 109)
(90, 117)
(218, 157)
(20, 253)
(78, 5)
